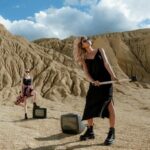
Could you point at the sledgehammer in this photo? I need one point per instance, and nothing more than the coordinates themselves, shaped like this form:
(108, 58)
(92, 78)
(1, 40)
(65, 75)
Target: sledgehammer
(132, 79)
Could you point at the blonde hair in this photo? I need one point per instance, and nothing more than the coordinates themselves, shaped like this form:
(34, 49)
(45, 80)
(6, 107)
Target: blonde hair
(78, 51)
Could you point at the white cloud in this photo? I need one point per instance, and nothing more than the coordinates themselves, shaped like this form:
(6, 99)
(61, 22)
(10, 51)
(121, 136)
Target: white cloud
(139, 10)
(115, 5)
(80, 2)
(59, 23)
(132, 9)
(26, 28)
(105, 16)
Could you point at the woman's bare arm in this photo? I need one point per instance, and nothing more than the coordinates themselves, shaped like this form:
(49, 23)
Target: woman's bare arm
(107, 64)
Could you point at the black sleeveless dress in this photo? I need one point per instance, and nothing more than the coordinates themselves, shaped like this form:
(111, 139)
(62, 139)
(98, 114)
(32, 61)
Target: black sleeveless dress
(27, 89)
(98, 97)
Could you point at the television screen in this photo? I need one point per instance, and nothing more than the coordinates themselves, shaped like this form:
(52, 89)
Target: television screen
(72, 124)
(39, 112)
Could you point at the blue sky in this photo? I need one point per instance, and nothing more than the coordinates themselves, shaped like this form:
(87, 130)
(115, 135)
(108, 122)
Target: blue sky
(35, 19)
(21, 9)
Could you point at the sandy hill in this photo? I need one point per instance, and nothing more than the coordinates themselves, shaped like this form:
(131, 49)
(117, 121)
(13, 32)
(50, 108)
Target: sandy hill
(53, 72)
(128, 51)
(61, 87)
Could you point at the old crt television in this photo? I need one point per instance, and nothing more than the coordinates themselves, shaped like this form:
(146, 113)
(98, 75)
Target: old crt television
(39, 113)
(71, 124)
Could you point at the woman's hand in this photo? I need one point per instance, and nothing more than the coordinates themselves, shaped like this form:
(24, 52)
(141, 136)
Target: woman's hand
(114, 78)
(96, 83)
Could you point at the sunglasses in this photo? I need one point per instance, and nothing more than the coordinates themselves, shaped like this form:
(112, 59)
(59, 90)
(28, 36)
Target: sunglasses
(84, 41)
(27, 71)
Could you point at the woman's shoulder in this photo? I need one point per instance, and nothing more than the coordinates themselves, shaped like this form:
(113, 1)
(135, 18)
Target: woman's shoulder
(27, 77)
(100, 49)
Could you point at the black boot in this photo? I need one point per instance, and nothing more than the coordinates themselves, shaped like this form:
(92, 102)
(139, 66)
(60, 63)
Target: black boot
(89, 134)
(25, 116)
(35, 106)
(110, 137)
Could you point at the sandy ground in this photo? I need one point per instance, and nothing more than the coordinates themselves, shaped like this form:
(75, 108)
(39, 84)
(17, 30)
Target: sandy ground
(132, 103)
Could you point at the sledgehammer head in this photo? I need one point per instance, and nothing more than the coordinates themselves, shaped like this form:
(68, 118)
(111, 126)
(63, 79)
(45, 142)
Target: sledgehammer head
(133, 79)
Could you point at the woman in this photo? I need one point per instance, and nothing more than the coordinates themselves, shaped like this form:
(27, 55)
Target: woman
(27, 91)
(99, 97)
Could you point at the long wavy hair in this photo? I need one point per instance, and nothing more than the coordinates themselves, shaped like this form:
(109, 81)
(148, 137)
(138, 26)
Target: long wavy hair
(79, 52)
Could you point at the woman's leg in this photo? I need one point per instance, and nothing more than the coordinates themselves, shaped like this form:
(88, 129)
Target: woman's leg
(21, 104)
(25, 105)
(33, 93)
(25, 108)
(111, 115)
(89, 134)
(111, 134)
(90, 122)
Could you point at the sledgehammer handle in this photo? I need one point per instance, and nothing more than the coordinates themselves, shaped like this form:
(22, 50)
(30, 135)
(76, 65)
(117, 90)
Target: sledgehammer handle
(109, 82)
(132, 79)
